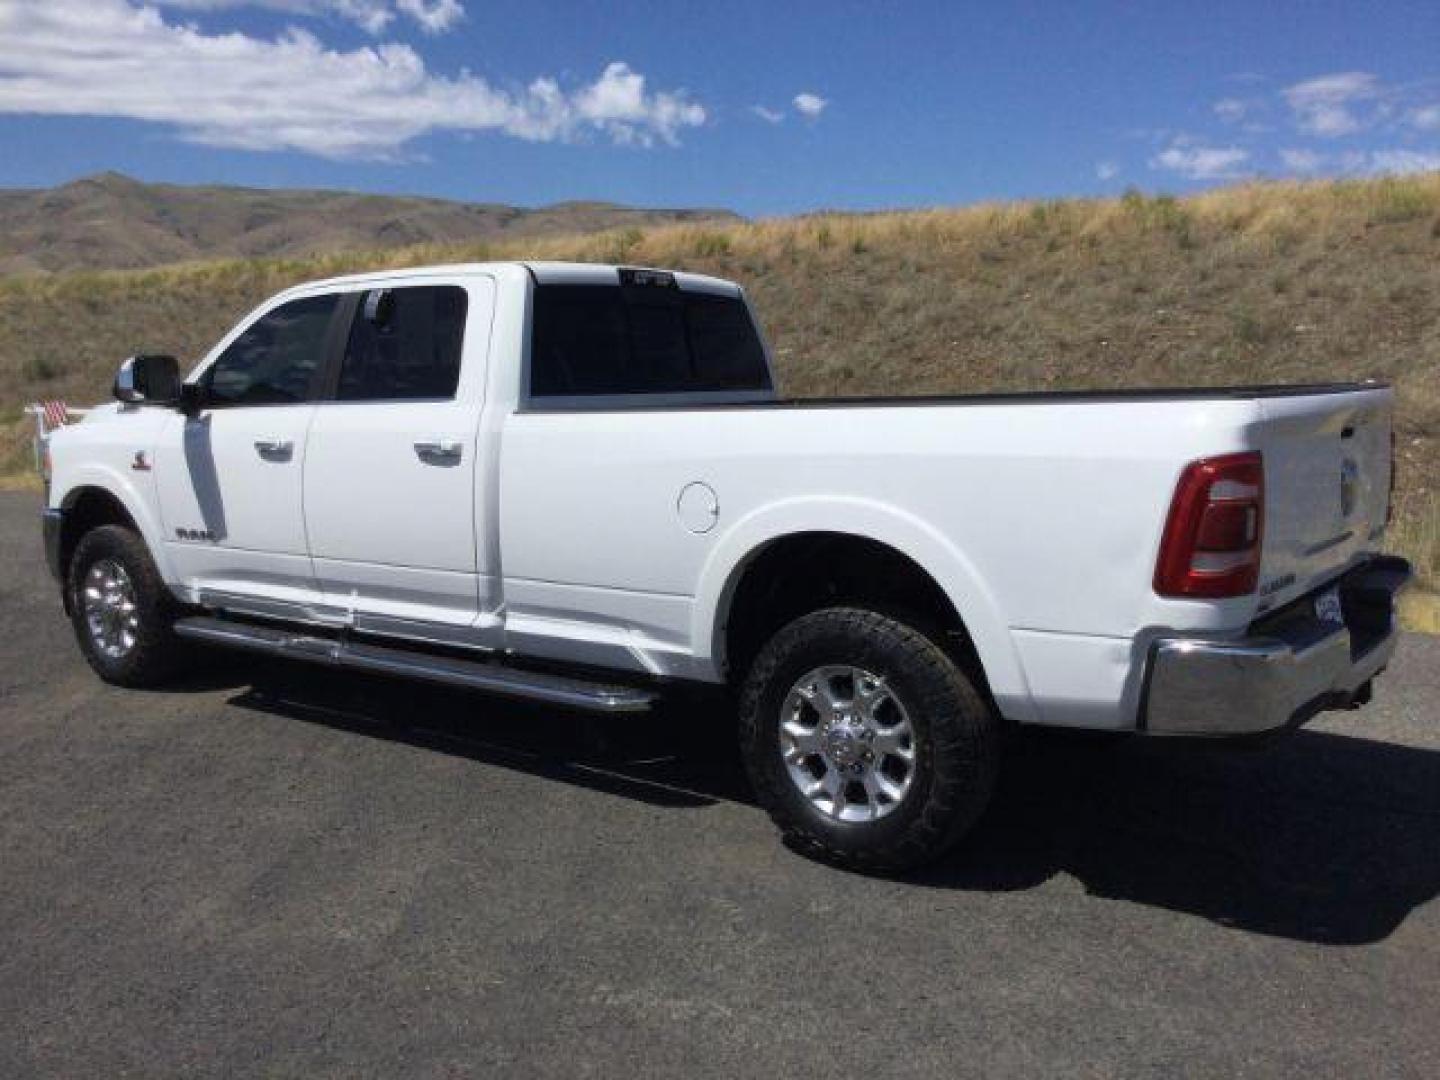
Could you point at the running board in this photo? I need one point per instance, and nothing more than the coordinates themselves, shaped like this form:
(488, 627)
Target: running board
(488, 676)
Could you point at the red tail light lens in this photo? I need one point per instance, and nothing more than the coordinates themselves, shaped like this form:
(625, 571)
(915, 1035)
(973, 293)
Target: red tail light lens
(1211, 546)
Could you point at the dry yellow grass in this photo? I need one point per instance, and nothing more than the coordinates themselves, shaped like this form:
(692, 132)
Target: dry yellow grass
(1420, 611)
(1275, 282)
(1415, 533)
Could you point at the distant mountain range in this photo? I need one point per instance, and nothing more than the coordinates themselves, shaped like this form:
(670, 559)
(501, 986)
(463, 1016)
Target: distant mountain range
(111, 221)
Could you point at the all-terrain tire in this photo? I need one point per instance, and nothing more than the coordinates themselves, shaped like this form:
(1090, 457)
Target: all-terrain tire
(156, 654)
(956, 740)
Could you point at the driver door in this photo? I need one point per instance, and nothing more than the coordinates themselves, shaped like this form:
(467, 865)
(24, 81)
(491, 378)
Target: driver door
(230, 478)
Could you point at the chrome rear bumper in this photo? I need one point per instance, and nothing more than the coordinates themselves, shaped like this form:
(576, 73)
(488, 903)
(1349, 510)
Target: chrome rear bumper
(1291, 665)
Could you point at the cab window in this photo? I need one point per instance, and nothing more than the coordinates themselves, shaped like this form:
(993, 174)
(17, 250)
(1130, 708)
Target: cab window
(603, 340)
(404, 344)
(277, 359)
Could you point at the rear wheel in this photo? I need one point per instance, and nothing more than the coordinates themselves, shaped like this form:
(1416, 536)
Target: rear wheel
(121, 611)
(865, 741)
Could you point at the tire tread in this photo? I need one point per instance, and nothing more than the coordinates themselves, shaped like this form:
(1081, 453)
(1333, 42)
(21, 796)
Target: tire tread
(158, 654)
(964, 732)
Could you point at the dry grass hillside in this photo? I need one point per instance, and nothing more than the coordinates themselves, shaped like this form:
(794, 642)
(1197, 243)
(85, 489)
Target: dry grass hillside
(1257, 283)
(112, 221)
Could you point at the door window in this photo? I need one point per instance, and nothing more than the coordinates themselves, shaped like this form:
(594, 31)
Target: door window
(404, 344)
(277, 359)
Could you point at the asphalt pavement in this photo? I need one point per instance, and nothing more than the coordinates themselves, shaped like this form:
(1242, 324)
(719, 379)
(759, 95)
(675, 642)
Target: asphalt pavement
(276, 870)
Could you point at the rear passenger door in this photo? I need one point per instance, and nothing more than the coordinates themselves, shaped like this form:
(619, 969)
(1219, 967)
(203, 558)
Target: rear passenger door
(391, 463)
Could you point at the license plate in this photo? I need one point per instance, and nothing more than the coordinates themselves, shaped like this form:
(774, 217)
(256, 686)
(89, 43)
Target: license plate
(1327, 607)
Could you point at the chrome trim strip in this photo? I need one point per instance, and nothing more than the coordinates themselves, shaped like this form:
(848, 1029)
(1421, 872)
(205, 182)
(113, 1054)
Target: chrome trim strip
(430, 633)
(469, 674)
(268, 608)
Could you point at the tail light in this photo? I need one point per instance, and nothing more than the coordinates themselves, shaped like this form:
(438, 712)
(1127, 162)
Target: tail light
(1211, 546)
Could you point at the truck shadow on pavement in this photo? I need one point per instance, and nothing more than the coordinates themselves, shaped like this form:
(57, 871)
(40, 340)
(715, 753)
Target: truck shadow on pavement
(1316, 837)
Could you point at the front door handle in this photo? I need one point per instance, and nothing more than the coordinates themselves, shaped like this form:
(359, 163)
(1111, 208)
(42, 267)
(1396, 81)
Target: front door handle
(275, 449)
(439, 451)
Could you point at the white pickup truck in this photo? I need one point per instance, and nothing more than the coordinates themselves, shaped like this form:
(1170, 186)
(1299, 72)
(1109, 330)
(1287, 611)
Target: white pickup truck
(575, 484)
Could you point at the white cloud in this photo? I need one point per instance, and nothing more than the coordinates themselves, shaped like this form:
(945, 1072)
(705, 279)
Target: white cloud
(1302, 161)
(809, 105)
(1403, 161)
(434, 16)
(1107, 170)
(374, 16)
(1231, 110)
(1326, 105)
(1201, 162)
(770, 116)
(1395, 160)
(108, 58)
(1394, 127)
(1427, 118)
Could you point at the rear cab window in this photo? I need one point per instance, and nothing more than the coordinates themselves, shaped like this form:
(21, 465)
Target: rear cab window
(642, 340)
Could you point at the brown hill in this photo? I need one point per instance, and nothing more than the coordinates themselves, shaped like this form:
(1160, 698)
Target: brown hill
(1259, 283)
(113, 222)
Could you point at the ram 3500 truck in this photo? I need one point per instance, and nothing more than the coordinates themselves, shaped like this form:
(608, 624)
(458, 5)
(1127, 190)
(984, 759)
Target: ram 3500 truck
(576, 484)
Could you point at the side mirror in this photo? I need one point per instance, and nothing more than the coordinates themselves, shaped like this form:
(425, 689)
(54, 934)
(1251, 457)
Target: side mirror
(192, 399)
(148, 379)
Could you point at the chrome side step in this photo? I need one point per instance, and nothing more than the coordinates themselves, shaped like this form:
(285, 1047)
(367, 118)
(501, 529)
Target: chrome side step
(490, 677)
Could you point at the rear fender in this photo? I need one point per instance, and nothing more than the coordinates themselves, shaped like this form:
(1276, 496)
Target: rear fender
(882, 523)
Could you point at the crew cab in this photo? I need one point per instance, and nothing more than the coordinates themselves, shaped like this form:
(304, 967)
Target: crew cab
(577, 484)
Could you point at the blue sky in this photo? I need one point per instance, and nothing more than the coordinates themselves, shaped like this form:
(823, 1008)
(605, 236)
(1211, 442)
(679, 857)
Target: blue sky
(766, 108)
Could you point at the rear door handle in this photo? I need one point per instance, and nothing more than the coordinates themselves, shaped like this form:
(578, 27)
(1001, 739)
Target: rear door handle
(439, 451)
(274, 449)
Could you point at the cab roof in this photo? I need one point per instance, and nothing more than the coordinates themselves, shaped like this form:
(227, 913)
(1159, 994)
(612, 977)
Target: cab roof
(546, 273)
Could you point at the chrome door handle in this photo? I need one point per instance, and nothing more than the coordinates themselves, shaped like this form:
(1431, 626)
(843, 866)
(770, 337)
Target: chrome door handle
(439, 451)
(274, 449)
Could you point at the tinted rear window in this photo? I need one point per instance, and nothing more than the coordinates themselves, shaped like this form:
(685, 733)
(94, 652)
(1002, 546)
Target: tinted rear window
(588, 340)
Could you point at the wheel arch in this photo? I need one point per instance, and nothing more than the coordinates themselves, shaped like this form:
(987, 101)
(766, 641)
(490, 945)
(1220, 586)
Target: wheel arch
(883, 530)
(95, 497)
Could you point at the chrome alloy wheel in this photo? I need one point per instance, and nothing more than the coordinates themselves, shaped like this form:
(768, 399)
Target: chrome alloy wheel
(847, 743)
(107, 598)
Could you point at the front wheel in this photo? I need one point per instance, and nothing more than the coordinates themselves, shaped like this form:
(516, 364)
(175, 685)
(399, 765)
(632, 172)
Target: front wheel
(865, 741)
(121, 611)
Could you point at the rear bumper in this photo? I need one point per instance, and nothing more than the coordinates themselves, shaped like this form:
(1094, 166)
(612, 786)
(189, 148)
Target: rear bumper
(1291, 665)
(50, 528)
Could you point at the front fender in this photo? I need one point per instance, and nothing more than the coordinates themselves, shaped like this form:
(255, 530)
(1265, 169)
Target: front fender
(136, 496)
(883, 523)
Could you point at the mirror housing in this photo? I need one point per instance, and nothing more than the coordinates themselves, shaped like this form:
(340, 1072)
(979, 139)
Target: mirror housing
(148, 379)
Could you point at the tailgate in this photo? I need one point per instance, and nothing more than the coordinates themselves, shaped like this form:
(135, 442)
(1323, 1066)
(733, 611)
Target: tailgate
(1327, 486)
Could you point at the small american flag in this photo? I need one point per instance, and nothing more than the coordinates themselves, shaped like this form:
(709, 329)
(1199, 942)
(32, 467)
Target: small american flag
(57, 414)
